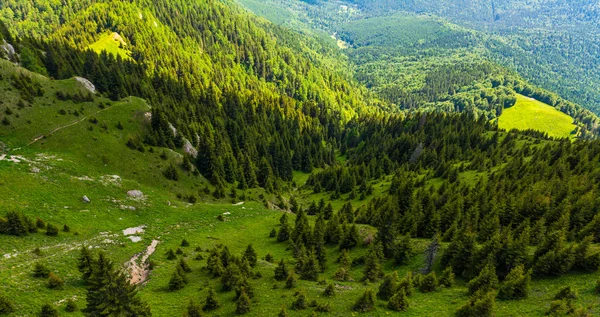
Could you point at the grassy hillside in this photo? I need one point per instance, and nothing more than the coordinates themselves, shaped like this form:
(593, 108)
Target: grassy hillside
(529, 113)
(112, 43)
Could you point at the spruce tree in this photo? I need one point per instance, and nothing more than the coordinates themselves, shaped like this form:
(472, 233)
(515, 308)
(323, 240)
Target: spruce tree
(480, 304)
(486, 281)
(48, 311)
(214, 264)
(182, 264)
(273, 233)
(310, 268)
(283, 312)
(242, 305)
(372, 271)
(51, 230)
(447, 278)
(40, 270)
(212, 301)
(231, 277)
(403, 250)
(244, 286)
(71, 306)
(109, 293)
(193, 310)
(516, 284)
(398, 302)
(85, 263)
(429, 283)
(284, 231)
(185, 243)
(328, 211)
(332, 230)
(281, 271)
(171, 255)
(350, 239)
(407, 284)
(329, 290)
(291, 280)
(300, 303)
(250, 255)
(389, 286)
(366, 302)
(177, 281)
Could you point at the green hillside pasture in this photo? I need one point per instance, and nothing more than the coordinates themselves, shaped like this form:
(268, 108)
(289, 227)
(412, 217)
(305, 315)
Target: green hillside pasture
(529, 113)
(113, 44)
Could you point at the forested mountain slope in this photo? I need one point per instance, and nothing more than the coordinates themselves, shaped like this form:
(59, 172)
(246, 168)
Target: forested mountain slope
(224, 80)
(213, 163)
(416, 60)
(553, 44)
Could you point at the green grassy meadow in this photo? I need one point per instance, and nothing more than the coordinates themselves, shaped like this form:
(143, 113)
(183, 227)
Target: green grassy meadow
(529, 113)
(113, 44)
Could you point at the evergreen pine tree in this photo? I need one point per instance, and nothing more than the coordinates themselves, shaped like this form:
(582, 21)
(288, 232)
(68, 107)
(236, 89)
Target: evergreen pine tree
(300, 303)
(350, 239)
(48, 311)
(310, 268)
(242, 304)
(176, 282)
(486, 280)
(429, 283)
(281, 272)
(480, 304)
(516, 284)
(328, 212)
(403, 250)
(212, 301)
(182, 264)
(407, 284)
(389, 286)
(250, 255)
(372, 271)
(284, 230)
(71, 306)
(231, 277)
(214, 264)
(185, 243)
(366, 302)
(51, 230)
(398, 302)
(273, 233)
(85, 263)
(171, 255)
(283, 312)
(40, 270)
(194, 310)
(447, 278)
(109, 293)
(329, 290)
(291, 280)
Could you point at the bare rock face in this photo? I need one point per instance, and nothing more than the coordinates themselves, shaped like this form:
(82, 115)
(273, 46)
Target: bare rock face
(189, 148)
(87, 84)
(8, 51)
